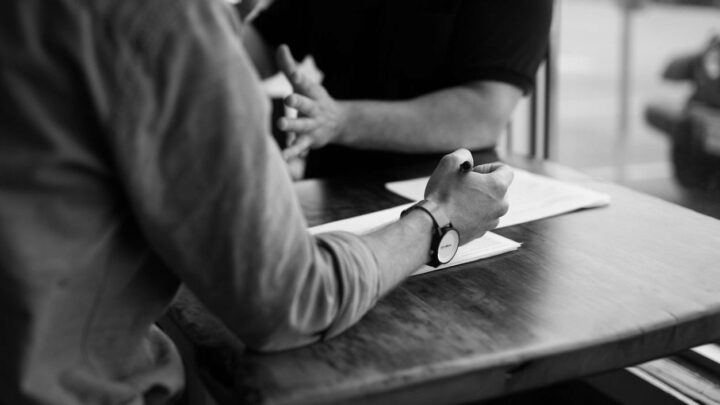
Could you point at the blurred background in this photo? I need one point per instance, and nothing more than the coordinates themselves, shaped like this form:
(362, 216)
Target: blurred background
(611, 55)
(617, 117)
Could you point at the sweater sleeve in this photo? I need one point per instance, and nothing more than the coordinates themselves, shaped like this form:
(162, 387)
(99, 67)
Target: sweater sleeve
(210, 190)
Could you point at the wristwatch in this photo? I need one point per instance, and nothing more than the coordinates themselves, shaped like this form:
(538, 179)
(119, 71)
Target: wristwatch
(445, 240)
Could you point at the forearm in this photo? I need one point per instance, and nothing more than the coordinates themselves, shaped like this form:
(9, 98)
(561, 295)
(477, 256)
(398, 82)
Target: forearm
(350, 273)
(471, 116)
(401, 248)
(331, 283)
(210, 194)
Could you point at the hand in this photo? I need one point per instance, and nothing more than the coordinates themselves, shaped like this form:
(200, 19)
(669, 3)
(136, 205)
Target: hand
(473, 201)
(296, 166)
(320, 118)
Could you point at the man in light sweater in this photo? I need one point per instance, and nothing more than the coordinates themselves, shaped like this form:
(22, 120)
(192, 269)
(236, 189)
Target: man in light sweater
(135, 158)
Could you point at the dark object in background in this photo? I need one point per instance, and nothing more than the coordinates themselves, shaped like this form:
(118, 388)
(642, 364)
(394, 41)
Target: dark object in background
(694, 129)
(703, 3)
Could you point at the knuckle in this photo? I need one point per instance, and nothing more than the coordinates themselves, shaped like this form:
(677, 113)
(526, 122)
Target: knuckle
(497, 187)
(312, 108)
(504, 207)
(456, 158)
(447, 159)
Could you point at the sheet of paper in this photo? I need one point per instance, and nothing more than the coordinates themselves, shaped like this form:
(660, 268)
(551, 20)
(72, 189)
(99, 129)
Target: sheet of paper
(488, 245)
(531, 197)
(363, 224)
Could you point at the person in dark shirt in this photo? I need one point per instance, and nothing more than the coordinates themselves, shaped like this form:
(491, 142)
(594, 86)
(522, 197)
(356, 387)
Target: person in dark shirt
(402, 78)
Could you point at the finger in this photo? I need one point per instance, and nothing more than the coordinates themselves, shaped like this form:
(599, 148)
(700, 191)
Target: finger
(303, 104)
(297, 124)
(300, 82)
(299, 148)
(503, 175)
(290, 138)
(289, 67)
(487, 167)
(285, 61)
(504, 208)
(296, 168)
(303, 85)
(452, 161)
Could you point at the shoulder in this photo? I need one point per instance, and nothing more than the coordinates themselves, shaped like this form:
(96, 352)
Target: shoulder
(500, 11)
(150, 23)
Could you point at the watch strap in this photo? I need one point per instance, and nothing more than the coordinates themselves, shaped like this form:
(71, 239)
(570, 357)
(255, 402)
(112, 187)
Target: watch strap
(441, 224)
(436, 213)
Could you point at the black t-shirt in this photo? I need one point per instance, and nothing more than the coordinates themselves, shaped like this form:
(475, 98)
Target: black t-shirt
(399, 49)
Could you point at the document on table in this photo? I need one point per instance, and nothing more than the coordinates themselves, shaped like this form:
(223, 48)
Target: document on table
(488, 245)
(531, 197)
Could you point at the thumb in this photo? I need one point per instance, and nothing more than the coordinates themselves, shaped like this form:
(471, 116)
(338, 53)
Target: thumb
(487, 168)
(499, 171)
(302, 144)
(285, 61)
(452, 161)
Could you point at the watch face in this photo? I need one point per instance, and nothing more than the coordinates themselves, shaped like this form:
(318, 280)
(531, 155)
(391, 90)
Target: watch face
(448, 246)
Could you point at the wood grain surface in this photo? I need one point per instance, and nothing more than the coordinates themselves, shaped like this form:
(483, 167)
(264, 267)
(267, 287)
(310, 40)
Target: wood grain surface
(589, 291)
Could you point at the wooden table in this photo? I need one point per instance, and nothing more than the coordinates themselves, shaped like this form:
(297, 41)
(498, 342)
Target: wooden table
(587, 292)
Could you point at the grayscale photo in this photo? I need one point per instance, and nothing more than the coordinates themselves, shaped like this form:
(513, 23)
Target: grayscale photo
(325, 202)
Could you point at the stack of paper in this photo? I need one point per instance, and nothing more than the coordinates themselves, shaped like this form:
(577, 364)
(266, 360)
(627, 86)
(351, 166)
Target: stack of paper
(531, 197)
